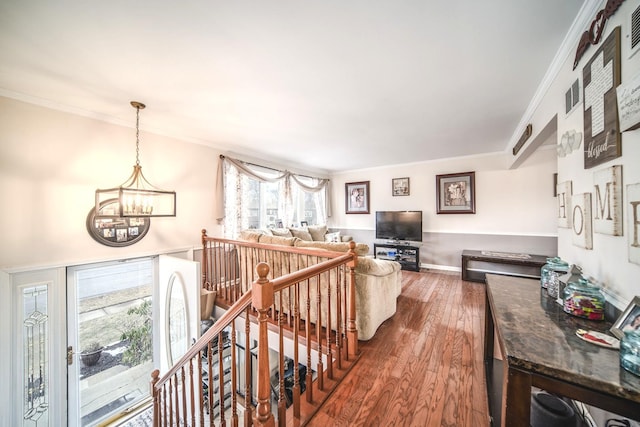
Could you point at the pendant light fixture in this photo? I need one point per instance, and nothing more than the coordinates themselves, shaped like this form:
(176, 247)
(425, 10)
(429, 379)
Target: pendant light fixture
(136, 197)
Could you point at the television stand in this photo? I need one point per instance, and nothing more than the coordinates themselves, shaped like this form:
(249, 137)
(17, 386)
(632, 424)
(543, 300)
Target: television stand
(406, 254)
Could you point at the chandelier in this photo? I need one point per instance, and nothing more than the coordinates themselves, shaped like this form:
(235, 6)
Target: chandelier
(136, 197)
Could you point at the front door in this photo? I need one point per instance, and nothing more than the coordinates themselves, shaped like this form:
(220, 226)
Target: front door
(110, 345)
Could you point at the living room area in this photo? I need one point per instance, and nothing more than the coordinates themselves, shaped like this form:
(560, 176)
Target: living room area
(54, 154)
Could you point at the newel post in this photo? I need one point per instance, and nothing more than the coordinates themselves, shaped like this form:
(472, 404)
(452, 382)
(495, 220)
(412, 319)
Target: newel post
(155, 394)
(352, 332)
(262, 300)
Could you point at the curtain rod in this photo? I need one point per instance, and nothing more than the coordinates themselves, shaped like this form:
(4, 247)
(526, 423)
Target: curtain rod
(222, 156)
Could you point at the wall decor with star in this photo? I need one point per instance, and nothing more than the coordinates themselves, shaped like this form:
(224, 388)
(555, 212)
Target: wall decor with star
(601, 76)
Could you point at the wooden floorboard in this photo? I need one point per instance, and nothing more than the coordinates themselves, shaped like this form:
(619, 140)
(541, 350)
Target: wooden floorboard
(424, 366)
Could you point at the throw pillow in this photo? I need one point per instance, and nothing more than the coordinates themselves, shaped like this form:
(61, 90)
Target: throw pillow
(281, 232)
(301, 233)
(250, 235)
(317, 232)
(332, 237)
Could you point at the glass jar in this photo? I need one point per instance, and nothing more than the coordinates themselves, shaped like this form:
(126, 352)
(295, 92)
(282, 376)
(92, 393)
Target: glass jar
(630, 352)
(550, 273)
(584, 299)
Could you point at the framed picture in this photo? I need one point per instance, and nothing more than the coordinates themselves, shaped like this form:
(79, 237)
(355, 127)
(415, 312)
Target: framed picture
(629, 320)
(456, 193)
(400, 186)
(115, 232)
(357, 197)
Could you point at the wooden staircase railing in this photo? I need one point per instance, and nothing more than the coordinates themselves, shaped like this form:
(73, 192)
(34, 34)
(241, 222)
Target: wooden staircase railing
(308, 305)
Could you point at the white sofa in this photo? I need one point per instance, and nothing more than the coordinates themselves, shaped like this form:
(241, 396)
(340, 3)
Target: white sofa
(378, 282)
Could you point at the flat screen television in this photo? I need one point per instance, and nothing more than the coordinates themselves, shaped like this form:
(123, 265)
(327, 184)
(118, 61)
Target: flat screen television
(399, 225)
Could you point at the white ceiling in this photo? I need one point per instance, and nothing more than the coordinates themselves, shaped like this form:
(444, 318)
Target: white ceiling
(324, 85)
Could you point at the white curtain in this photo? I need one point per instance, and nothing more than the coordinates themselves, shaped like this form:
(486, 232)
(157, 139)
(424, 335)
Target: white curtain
(232, 203)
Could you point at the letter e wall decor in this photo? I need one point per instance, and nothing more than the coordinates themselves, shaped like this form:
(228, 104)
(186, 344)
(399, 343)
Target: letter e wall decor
(633, 201)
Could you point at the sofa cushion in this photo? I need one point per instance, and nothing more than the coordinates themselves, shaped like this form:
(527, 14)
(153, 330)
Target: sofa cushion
(281, 232)
(317, 232)
(251, 235)
(301, 233)
(376, 267)
(278, 240)
(361, 248)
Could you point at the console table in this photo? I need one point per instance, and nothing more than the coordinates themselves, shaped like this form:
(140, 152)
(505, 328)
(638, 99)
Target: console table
(476, 264)
(540, 348)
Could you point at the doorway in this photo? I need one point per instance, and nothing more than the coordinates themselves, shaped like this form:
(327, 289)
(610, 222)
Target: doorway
(109, 338)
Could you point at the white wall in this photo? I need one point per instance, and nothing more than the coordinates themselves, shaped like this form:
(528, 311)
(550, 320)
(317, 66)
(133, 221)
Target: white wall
(52, 162)
(608, 261)
(516, 202)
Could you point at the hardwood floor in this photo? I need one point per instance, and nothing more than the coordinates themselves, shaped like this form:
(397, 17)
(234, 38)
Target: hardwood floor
(424, 366)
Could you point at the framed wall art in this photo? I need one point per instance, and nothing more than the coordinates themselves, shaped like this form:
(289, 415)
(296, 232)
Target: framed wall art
(357, 197)
(456, 193)
(629, 320)
(116, 232)
(400, 187)
(600, 77)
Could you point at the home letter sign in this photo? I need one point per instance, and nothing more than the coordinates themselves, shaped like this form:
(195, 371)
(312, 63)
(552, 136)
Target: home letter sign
(581, 219)
(633, 197)
(564, 191)
(607, 210)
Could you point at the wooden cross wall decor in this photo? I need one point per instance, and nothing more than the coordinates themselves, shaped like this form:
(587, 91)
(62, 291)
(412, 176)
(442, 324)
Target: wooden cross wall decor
(601, 76)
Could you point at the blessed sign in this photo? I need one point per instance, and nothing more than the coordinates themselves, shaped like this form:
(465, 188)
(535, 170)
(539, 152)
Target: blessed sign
(601, 76)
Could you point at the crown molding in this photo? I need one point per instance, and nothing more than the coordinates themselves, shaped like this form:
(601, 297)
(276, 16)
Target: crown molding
(567, 47)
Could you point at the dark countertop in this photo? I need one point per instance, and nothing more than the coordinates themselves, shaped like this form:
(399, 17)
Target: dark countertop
(536, 335)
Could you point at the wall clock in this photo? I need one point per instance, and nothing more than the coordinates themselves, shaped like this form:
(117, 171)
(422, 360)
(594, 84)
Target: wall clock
(116, 232)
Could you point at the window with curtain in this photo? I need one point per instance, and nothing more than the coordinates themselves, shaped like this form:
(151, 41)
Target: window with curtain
(258, 197)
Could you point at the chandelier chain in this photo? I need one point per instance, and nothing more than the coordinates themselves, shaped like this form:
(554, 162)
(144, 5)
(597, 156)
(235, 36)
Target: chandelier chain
(137, 136)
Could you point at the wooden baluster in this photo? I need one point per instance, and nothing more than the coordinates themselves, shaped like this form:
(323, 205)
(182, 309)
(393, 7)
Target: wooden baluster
(262, 300)
(329, 328)
(320, 365)
(183, 398)
(339, 318)
(204, 259)
(200, 387)
(282, 404)
(352, 332)
(234, 385)
(223, 421)
(296, 360)
(248, 417)
(171, 412)
(307, 334)
(176, 398)
(165, 409)
(210, 381)
(155, 395)
(192, 403)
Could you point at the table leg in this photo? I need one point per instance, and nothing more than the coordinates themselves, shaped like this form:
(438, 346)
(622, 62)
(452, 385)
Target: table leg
(516, 397)
(488, 331)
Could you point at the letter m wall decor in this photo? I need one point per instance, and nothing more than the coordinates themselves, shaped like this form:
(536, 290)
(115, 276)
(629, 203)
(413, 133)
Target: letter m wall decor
(607, 201)
(601, 76)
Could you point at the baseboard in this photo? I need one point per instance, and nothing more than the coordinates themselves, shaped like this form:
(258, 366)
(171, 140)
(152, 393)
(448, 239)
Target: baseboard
(441, 267)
